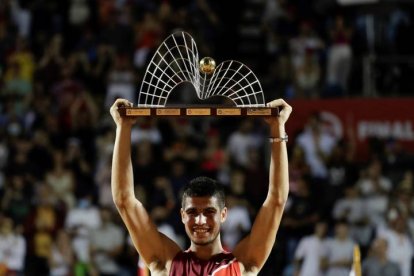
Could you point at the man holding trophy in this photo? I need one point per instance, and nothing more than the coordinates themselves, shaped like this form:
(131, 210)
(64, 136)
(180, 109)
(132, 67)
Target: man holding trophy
(203, 207)
(202, 212)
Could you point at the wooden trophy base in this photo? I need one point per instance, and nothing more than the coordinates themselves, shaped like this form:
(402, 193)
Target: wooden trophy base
(198, 111)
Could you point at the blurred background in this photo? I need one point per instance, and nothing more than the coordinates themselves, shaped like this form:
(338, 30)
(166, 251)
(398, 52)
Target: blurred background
(345, 66)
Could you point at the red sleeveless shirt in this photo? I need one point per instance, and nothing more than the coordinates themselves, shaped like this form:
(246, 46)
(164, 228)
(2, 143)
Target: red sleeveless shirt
(187, 264)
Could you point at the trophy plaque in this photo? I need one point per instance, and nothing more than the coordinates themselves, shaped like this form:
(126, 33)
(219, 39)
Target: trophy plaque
(176, 61)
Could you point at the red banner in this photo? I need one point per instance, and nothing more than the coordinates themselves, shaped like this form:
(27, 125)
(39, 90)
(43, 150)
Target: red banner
(362, 118)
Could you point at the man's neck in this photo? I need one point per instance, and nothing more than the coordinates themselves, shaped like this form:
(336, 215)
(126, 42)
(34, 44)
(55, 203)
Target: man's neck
(205, 252)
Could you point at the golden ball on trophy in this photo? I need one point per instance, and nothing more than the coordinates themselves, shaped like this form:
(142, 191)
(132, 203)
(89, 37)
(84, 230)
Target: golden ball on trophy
(207, 65)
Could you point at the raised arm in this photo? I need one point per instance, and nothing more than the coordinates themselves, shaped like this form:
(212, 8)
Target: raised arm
(155, 248)
(254, 250)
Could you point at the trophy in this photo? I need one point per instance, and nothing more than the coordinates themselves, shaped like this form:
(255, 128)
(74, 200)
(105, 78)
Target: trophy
(176, 61)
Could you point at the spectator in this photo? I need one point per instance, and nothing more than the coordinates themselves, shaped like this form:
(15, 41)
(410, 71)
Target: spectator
(12, 248)
(255, 172)
(80, 222)
(18, 78)
(375, 188)
(307, 77)
(103, 178)
(62, 258)
(103, 57)
(279, 24)
(339, 252)
(41, 226)
(23, 58)
(182, 148)
(41, 152)
(145, 162)
(301, 214)
(374, 183)
(214, 156)
(16, 89)
(121, 81)
(77, 162)
(146, 130)
(240, 142)
(305, 45)
(339, 57)
(22, 17)
(148, 37)
(378, 263)
(298, 168)
(309, 253)
(16, 199)
(61, 180)
(402, 200)
(400, 247)
(179, 175)
(317, 144)
(162, 201)
(352, 209)
(238, 222)
(51, 63)
(106, 244)
(79, 12)
(395, 159)
(343, 170)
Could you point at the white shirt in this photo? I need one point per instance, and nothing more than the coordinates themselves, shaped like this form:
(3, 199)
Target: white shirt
(339, 250)
(83, 217)
(83, 220)
(310, 249)
(60, 267)
(13, 251)
(239, 145)
(104, 240)
(376, 208)
(367, 187)
(353, 209)
(326, 143)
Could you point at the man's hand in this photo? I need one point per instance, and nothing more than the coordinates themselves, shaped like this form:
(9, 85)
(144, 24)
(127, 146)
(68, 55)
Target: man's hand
(118, 119)
(284, 112)
(277, 124)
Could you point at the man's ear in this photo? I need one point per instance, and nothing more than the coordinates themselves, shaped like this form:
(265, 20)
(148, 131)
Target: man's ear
(223, 214)
(182, 215)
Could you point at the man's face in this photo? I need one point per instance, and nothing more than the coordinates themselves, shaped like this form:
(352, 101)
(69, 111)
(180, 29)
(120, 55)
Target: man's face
(341, 231)
(202, 218)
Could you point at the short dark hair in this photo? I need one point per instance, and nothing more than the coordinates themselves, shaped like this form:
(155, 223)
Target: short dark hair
(203, 186)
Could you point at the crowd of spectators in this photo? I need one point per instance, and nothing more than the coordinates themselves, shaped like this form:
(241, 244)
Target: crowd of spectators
(62, 64)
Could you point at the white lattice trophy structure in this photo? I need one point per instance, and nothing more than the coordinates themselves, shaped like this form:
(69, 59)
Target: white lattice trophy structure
(177, 61)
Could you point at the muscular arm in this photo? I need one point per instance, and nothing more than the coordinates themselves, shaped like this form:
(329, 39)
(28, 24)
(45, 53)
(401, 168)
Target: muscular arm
(155, 248)
(253, 251)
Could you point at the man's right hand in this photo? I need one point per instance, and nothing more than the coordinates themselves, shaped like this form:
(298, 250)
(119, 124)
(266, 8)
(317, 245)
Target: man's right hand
(118, 119)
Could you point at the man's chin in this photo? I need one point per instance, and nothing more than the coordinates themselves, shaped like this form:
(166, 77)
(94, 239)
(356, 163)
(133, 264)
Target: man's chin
(202, 242)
